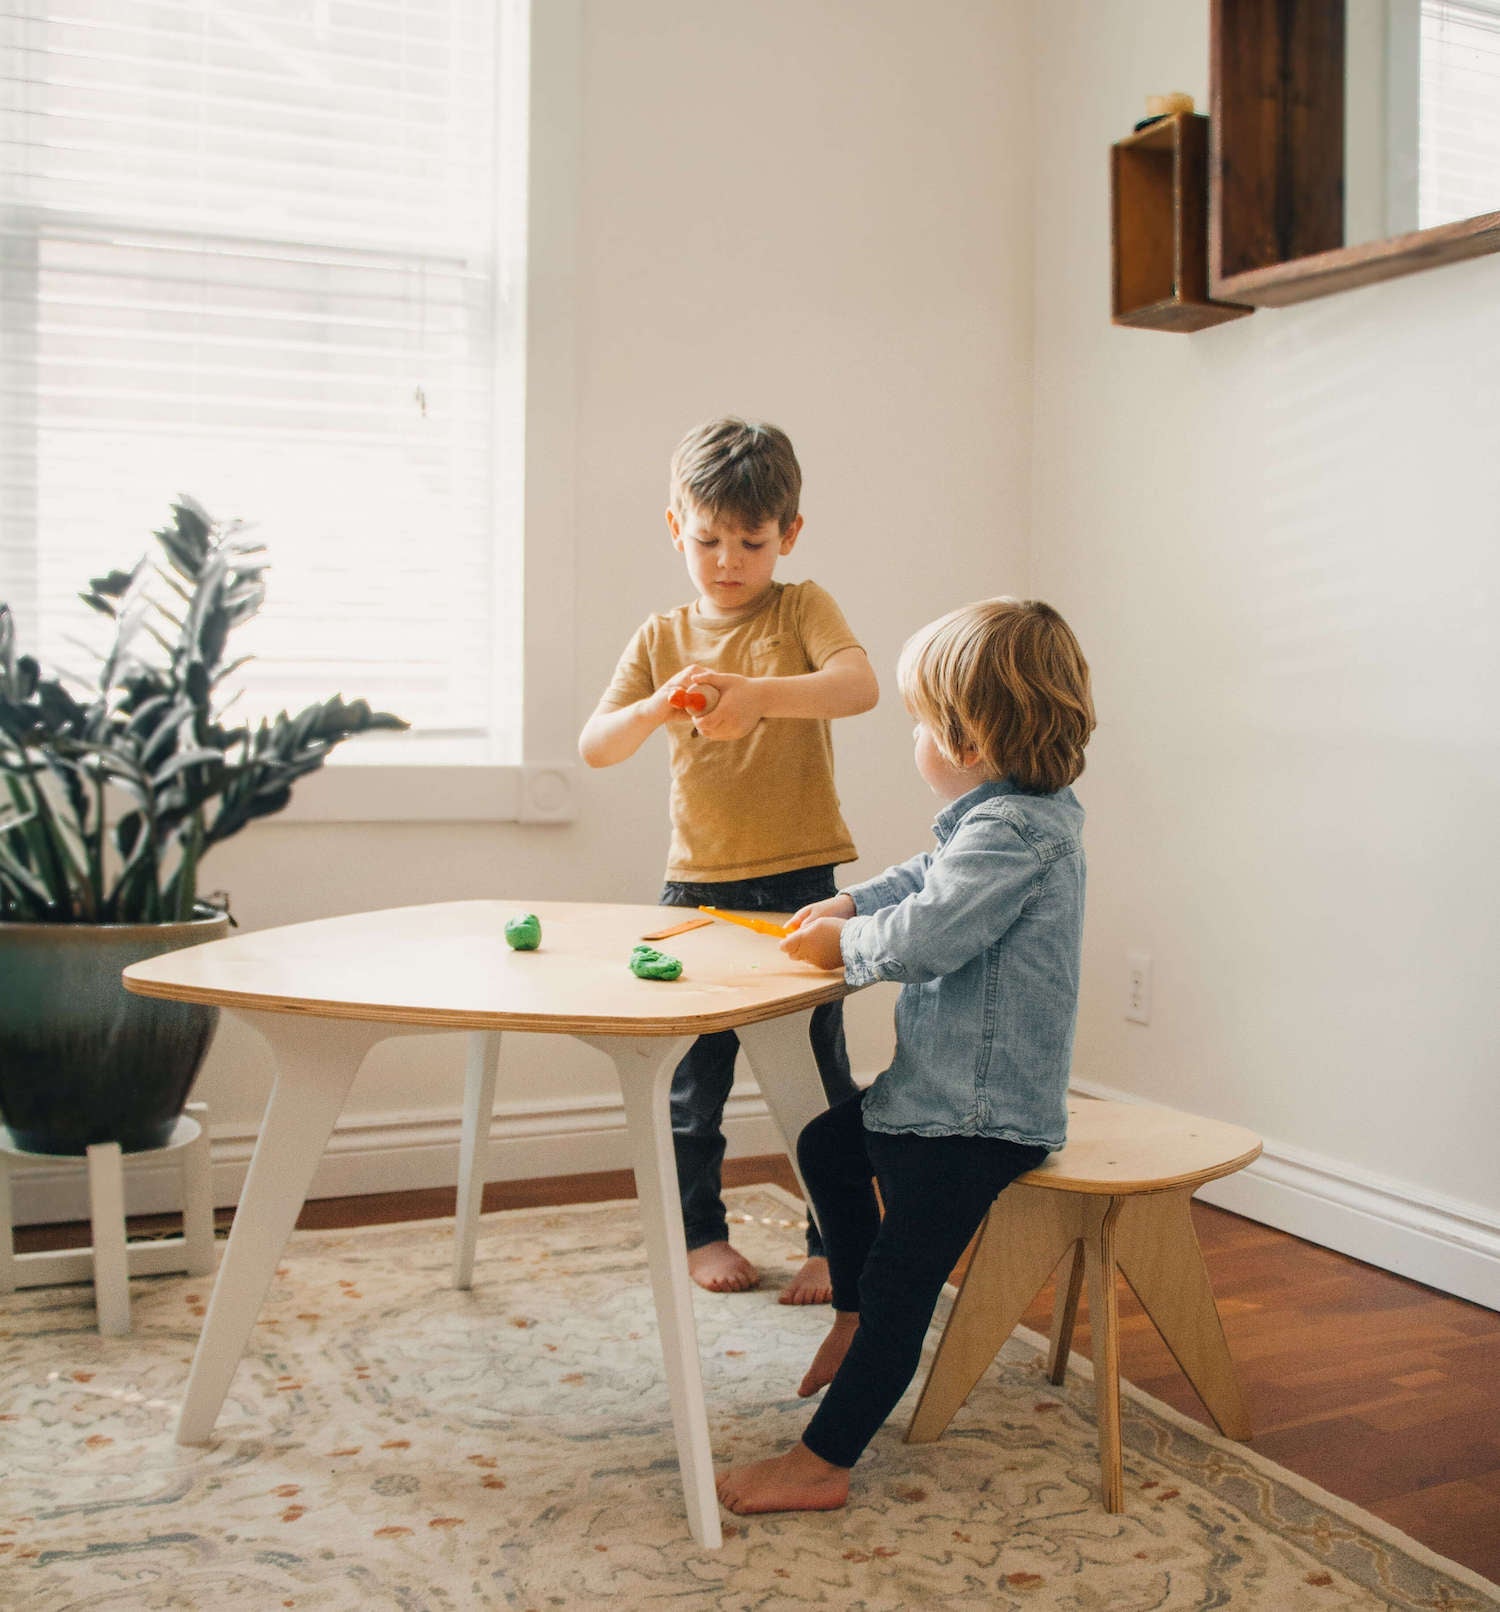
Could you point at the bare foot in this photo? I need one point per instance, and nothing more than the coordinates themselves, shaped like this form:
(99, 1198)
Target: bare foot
(721, 1269)
(831, 1352)
(811, 1285)
(796, 1481)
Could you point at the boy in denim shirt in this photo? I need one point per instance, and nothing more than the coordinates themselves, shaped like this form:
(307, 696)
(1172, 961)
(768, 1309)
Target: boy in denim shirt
(984, 933)
(755, 817)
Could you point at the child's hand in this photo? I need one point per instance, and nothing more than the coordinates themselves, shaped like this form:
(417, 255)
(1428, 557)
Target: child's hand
(661, 700)
(816, 941)
(739, 708)
(839, 906)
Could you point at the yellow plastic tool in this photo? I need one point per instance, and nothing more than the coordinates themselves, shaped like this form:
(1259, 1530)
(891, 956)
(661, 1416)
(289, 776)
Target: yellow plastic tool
(761, 926)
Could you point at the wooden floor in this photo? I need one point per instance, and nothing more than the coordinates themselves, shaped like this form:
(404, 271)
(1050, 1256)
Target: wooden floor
(1374, 1387)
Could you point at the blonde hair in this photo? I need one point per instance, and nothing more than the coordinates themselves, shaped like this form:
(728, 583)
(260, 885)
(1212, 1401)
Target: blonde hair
(744, 470)
(1004, 677)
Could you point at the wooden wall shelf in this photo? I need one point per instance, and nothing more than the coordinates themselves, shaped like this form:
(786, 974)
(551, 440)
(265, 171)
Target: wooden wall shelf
(1159, 214)
(1276, 163)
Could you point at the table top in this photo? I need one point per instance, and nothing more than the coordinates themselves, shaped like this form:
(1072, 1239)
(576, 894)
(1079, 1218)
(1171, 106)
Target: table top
(448, 966)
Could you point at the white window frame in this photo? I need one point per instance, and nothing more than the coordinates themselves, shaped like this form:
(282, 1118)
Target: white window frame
(535, 367)
(538, 97)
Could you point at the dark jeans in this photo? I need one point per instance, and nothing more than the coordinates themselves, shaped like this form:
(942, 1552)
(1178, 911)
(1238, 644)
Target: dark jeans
(700, 1085)
(935, 1191)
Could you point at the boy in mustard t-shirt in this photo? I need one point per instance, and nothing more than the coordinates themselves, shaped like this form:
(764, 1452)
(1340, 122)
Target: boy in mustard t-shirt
(755, 818)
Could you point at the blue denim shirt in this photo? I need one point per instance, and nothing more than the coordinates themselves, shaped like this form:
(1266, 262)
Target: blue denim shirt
(984, 933)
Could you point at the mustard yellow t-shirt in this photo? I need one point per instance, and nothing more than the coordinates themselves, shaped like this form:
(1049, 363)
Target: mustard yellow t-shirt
(766, 803)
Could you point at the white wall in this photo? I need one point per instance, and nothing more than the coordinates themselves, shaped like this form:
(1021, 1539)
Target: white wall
(1278, 543)
(817, 213)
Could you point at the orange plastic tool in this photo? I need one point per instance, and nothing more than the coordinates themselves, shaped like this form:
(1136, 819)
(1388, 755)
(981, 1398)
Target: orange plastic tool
(698, 699)
(761, 926)
(678, 929)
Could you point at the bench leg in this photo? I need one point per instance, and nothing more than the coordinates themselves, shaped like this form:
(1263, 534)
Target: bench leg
(1146, 1237)
(1159, 1256)
(1065, 1313)
(1104, 1330)
(1024, 1236)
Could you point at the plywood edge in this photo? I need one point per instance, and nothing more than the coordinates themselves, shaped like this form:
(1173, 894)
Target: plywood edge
(438, 1019)
(1124, 1187)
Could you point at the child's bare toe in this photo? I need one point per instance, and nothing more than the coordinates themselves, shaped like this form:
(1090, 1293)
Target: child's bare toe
(811, 1284)
(721, 1268)
(795, 1481)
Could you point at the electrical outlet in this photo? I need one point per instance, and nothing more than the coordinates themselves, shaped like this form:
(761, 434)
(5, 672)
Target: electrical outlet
(1138, 987)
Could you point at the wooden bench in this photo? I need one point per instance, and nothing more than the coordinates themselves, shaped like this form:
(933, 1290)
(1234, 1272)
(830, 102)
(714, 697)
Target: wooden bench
(1114, 1199)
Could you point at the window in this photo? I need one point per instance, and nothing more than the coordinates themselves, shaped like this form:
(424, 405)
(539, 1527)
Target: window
(269, 253)
(1460, 108)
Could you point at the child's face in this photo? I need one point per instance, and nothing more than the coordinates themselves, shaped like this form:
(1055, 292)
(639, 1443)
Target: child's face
(941, 776)
(731, 568)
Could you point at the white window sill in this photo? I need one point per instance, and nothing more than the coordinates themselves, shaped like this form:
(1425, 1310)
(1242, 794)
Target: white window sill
(536, 792)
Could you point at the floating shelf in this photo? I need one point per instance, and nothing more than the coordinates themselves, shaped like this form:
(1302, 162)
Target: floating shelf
(1277, 163)
(1159, 212)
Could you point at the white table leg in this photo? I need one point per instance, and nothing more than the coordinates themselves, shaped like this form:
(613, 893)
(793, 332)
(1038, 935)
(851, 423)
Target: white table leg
(473, 1151)
(645, 1068)
(198, 1198)
(316, 1061)
(781, 1057)
(107, 1220)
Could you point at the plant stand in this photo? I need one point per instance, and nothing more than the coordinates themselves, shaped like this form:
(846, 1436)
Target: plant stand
(113, 1260)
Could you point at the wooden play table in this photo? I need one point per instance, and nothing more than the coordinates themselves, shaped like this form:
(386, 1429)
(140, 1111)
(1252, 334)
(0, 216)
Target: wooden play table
(323, 994)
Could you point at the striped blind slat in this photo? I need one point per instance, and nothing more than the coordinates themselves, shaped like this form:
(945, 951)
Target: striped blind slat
(1459, 125)
(249, 251)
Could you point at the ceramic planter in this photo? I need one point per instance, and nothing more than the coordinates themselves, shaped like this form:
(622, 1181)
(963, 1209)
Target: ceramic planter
(82, 1060)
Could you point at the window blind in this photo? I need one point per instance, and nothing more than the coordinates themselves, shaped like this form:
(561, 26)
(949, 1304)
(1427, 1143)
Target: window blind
(253, 251)
(1459, 144)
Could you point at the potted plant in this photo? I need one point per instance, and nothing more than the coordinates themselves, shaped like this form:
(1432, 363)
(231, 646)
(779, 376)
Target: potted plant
(112, 795)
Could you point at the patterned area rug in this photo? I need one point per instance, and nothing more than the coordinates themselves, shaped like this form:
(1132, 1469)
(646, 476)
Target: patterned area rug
(391, 1443)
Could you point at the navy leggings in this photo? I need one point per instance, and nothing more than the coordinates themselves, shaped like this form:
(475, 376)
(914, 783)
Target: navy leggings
(936, 1190)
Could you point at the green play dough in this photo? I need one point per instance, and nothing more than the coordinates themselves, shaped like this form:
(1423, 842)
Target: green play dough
(649, 964)
(524, 933)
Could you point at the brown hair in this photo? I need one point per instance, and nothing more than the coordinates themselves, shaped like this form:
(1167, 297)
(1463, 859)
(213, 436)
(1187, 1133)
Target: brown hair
(744, 470)
(1004, 677)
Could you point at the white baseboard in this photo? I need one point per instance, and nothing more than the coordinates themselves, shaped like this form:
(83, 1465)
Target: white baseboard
(1440, 1242)
(393, 1153)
